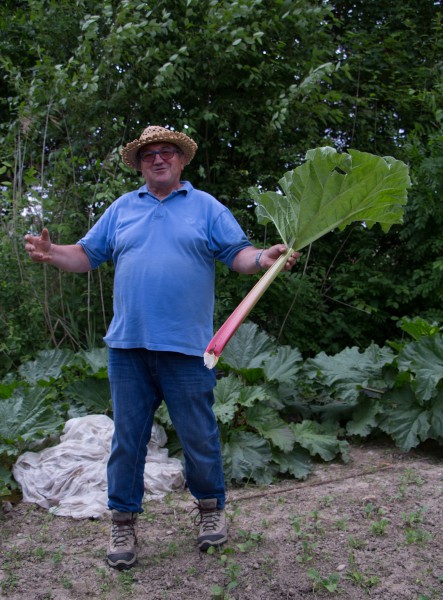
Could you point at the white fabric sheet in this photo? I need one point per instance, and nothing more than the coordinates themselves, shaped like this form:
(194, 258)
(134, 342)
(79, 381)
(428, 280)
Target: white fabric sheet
(70, 479)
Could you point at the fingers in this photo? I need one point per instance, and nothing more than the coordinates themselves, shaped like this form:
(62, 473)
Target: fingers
(291, 261)
(38, 247)
(35, 254)
(277, 250)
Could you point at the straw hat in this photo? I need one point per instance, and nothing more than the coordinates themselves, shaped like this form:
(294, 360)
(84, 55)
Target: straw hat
(154, 134)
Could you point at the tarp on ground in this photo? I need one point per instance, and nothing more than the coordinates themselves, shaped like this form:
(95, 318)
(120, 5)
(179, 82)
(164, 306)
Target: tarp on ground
(69, 479)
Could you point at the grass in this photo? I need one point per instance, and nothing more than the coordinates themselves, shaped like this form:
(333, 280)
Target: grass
(126, 582)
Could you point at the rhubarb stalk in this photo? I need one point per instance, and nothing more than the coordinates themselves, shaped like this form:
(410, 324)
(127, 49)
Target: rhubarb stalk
(330, 190)
(233, 322)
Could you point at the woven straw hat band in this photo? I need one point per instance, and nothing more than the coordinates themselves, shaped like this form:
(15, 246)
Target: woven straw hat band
(153, 135)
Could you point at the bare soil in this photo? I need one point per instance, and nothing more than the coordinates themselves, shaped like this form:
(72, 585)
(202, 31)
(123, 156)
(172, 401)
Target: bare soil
(370, 529)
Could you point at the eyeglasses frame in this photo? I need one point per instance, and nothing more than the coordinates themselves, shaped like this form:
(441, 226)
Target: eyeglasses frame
(151, 154)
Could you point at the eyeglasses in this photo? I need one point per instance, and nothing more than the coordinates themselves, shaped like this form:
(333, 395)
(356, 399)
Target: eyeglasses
(149, 157)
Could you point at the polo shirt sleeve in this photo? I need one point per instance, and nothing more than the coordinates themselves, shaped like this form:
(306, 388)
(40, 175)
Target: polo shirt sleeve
(97, 243)
(227, 238)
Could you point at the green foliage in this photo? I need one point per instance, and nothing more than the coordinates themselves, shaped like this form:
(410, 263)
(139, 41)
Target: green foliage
(277, 413)
(328, 583)
(42, 395)
(332, 190)
(26, 416)
(258, 441)
(257, 84)
(320, 440)
(345, 374)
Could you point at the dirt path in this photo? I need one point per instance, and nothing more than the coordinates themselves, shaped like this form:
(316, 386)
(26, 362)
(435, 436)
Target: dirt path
(369, 529)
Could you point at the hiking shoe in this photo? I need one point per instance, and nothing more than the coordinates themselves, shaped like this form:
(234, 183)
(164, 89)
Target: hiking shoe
(121, 552)
(212, 521)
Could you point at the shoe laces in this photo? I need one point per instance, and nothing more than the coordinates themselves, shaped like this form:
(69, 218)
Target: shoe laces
(121, 533)
(208, 518)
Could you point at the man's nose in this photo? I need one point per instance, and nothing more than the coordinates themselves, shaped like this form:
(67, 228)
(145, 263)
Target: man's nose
(158, 158)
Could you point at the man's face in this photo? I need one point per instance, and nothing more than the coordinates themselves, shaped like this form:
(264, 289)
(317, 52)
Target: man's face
(161, 172)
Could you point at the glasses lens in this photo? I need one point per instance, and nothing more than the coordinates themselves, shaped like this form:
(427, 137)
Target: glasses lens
(149, 157)
(166, 154)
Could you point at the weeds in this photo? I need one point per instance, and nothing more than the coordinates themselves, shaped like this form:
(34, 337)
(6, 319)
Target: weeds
(328, 583)
(417, 536)
(40, 553)
(409, 478)
(327, 501)
(171, 550)
(67, 583)
(379, 527)
(57, 556)
(10, 582)
(362, 580)
(342, 524)
(413, 518)
(305, 538)
(251, 542)
(125, 583)
(356, 543)
(308, 551)
(231, 570)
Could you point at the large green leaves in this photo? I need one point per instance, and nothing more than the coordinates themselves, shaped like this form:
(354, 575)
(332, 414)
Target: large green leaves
(347, 372)
(365, 417)
(331, 190)
(424, 358)
(271, 426)
(409, 422)
(297, 463)
(258, 442)
(413, 409)
(47, 365)
(282, 366)
(248, 348)
(227, 393)
(247, 457)
(92, 393)
(27, 415)
(320, 440)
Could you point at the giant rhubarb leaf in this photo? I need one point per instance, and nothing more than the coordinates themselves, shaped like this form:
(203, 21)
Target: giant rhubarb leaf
(330, 190)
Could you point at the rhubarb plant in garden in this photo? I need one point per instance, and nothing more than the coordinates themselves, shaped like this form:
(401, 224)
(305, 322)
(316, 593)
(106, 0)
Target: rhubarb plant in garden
(329, 190)
(37, 400)
(277, 413)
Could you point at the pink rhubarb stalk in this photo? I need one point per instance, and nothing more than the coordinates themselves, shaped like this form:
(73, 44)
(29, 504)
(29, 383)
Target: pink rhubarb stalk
(233, 322)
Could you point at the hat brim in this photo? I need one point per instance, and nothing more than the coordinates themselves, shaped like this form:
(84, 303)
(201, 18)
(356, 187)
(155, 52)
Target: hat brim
(154, 135)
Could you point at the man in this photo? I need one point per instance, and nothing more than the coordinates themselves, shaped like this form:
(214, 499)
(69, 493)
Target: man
(164, 239)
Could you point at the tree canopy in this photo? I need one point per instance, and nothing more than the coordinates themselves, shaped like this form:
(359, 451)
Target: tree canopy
(256, 83)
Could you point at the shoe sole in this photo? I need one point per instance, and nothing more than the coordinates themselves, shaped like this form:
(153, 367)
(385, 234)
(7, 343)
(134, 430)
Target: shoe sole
(204, 545)
(122, 565)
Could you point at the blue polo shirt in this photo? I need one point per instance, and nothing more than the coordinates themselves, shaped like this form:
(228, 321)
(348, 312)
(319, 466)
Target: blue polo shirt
(164, 254)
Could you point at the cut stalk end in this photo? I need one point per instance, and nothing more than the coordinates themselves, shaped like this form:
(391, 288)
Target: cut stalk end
(210, 360)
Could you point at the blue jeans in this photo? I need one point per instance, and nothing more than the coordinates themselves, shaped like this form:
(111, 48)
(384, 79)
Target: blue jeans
(140, 379)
